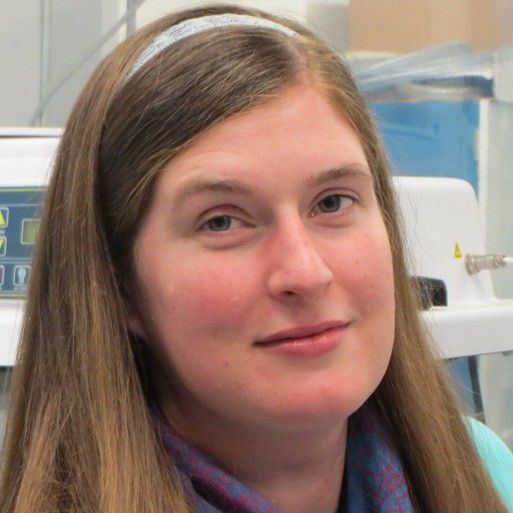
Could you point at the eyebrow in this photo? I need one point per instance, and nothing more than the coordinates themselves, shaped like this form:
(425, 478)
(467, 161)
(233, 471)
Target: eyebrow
(337, 173)
(202, 185)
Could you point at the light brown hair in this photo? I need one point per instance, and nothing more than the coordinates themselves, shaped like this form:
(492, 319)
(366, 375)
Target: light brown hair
(80, 436)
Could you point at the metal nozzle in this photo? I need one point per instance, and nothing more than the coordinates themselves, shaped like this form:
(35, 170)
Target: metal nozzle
(478, 263)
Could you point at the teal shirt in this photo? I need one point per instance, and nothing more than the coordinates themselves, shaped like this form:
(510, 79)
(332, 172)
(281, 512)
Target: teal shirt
(497, 458)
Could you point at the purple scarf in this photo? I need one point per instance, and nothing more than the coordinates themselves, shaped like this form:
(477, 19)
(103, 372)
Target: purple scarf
(374, 481)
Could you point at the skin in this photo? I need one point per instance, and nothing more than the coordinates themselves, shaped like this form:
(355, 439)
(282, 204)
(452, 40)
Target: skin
(289, 254)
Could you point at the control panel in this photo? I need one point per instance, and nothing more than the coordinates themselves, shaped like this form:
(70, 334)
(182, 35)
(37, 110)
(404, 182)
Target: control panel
(19, 226)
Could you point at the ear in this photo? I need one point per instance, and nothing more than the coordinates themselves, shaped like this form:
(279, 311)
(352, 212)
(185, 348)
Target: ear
(132, 314)
(134, 325)
(133, 319)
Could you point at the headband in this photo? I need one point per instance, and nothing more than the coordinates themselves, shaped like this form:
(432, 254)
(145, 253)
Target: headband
(197, 25)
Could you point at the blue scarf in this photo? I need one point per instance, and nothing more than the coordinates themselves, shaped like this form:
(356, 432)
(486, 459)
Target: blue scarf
(374, 480)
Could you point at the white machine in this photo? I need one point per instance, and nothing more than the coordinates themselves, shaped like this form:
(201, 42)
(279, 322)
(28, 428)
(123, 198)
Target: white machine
(442, 227)
(25, 165)
(442, 224)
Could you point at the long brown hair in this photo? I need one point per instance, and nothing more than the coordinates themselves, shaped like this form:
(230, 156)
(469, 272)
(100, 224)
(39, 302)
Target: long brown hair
(80, 435)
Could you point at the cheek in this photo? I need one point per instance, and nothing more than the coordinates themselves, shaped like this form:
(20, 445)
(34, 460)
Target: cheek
(369, 274)
(370, 291)
(206, 295)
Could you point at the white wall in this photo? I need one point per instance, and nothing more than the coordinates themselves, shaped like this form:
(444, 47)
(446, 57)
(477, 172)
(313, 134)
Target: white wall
(75, 28)
(20, 49)
(40, 42)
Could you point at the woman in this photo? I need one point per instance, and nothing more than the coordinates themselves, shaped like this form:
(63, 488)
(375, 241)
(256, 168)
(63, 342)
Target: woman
(219, 317)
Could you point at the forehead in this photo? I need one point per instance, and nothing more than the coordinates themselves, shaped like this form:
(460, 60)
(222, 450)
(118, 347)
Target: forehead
(296, 133)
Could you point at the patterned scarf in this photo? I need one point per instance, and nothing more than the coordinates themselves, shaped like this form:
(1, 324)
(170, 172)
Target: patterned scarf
(374, 481)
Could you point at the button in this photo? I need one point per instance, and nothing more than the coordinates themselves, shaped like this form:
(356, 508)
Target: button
(29, 230)
(21, 275)
(4, 217)
(3, 245)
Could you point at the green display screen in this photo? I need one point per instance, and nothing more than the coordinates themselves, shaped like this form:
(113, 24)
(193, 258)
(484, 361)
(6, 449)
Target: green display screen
(30, 230)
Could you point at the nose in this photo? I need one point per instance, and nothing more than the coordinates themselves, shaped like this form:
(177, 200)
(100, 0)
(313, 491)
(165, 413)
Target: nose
(297, 269)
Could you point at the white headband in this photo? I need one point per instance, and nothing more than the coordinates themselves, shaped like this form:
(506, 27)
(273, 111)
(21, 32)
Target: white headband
(196, 25)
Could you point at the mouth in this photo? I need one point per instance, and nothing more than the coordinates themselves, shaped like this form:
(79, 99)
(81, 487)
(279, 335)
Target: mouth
(307, 341)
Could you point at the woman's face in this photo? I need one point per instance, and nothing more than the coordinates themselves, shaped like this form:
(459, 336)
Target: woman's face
(268, 223)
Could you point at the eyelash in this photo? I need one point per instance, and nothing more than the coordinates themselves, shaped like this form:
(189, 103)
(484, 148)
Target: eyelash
(225, 216)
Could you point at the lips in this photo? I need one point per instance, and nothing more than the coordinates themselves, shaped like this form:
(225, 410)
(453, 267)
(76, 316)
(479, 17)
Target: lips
(305, 341)
(301, 332)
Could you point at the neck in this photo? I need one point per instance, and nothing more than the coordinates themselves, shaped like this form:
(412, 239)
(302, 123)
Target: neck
(299, 471)
(301, 474)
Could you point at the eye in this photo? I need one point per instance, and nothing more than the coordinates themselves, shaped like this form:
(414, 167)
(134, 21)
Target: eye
(219, 224)
(335, 203)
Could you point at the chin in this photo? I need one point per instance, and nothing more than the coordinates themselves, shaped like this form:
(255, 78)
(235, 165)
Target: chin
(325, 405)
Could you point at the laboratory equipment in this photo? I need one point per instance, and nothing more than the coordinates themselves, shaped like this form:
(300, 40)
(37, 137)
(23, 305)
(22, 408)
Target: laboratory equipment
(442, 225)
(25, 165)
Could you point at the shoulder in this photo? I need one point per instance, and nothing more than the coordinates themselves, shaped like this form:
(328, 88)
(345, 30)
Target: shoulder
(497, 458)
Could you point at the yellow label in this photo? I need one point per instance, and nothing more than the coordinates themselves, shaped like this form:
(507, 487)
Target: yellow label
(2, 219)
(457, 251)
